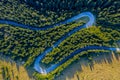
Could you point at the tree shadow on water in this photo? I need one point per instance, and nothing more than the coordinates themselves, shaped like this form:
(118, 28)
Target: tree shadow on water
(72, 70)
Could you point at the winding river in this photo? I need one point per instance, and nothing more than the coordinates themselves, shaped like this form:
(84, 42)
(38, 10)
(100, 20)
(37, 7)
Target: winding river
(89, 23)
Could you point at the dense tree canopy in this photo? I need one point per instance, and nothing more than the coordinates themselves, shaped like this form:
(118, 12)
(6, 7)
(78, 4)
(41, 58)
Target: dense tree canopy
(26, 45)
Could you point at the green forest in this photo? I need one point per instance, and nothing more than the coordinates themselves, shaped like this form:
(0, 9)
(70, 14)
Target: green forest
(25, 45)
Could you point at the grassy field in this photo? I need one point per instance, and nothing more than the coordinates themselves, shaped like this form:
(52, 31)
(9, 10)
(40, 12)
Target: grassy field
(103, 67)
(9, 70)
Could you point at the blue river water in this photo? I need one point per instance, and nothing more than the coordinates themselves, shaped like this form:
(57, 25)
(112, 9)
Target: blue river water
(89, 23)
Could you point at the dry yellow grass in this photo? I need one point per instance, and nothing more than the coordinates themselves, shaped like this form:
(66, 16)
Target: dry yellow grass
(107, 68)
(104, 70)
(1, 78)
(16, 72)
